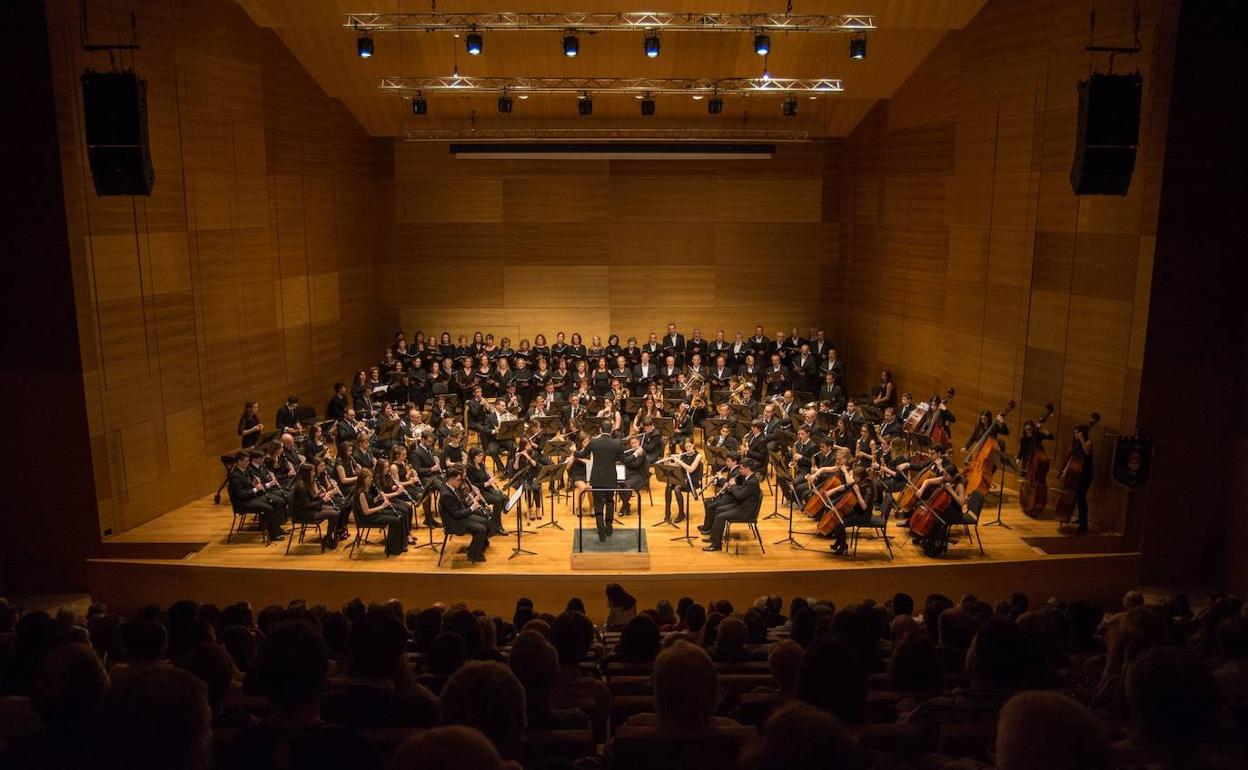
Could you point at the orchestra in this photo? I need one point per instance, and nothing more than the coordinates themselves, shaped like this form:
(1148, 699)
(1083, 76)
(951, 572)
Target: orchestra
(489, 417)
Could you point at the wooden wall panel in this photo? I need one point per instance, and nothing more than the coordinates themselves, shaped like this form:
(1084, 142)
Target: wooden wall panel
(958, 214)
(228, 283)
(608, 247)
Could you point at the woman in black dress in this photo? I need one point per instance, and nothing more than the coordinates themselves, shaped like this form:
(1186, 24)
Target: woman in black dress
(478, 476)
(691, 460)
(372, 509)
(310, 505)
(249, 426)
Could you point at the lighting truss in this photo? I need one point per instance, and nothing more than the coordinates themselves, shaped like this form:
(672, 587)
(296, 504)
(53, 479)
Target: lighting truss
(608, 22)
(603, 134)
(596, 86)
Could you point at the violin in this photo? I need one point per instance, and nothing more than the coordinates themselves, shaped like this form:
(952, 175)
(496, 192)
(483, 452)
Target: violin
(1033, 495)
(1071, 474)
(983, 458)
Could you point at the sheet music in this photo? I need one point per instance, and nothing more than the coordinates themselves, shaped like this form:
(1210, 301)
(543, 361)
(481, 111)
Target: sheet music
(515, 497)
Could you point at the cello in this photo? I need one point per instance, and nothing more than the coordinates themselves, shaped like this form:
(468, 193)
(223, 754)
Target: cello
(940, 434)
(839, 508)
(1033, 494)
(1071, 473)
(982, 462)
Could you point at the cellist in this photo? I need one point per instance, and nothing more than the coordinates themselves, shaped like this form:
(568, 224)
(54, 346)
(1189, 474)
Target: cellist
(822, 464)
(938, 416)
(946, 473)
(860, 510)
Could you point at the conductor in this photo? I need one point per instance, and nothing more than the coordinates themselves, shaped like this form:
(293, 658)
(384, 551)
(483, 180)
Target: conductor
(604, 453)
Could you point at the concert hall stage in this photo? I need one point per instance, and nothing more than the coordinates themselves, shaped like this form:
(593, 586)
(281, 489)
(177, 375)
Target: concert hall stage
(185, 553)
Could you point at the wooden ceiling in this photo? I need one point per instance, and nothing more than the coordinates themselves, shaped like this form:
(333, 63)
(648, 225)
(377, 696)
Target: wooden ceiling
(907, 31)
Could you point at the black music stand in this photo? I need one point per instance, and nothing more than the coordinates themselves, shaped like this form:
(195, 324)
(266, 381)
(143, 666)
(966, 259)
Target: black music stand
(514, 502)
(669, 474)
(803, 397)
(666, 426)
(744, 412)
(674, 394)
(781, 470)
(549, 424)
(510, 430)
(452, 401)
(1000, 460)
(550, 473)
(717, 456)
(711, 426)
(634, 404)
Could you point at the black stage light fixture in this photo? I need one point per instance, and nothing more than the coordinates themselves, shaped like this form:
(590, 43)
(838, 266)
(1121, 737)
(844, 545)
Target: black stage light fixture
(571, 45)
(504, 104)
(789, 107)
(584, 106)
(858, 47)
(473, 43)
(715, 105)
(762, 44)
(364, 46)
(652, 44)
(419, 105)
(647, 105)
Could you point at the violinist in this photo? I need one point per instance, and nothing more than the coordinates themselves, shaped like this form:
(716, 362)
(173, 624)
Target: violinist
(1081, 448)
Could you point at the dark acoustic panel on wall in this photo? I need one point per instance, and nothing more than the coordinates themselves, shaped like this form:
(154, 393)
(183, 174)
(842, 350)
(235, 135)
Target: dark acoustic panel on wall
(1107, 135)
(115, 106)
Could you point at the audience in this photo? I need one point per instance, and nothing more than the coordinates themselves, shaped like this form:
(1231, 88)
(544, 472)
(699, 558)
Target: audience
(1162, 684)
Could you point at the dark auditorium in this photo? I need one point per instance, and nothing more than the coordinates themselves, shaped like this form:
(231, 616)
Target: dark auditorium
(802, 385)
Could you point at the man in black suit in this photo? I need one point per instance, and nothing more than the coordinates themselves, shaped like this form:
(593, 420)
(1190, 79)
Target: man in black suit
(674, 344)
(286, 419)
(246, 496)
(756, 446)
(651, 441)
(643, 373)
(732, 464)
(459, 519)
(338, 405)
(604, 454)
(744, 498)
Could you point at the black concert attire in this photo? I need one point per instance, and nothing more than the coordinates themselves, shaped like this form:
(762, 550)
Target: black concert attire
(809, 464)
(636, 475)
(721, 499)
(777, 379)
(245, 498)
(1085, 483)
(856, 517)
(835, 395)
(674, 345)
(478, 476)
(742, 503)
(459, 519)
(307, 507)
(387, 518)
(423, 462)
(286, 419)
(604, 452)
(756, 451)
(247, 422)
(337, 407)
(682, 429)
(1027, 446)
(689, 484)
(652, 443)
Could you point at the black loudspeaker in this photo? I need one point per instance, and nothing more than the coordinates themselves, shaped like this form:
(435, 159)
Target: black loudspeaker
(1107, 135)
(115, 104)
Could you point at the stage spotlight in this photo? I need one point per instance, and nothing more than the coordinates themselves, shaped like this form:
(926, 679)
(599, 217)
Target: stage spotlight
(364, 46)
(715, 105)
(858, 47)
(420, 106)
(652, 44)
(789, 107)
(762, 44)
(474, 43)
(584, 106)
(504, 104)
(571, 45)
(647, 105)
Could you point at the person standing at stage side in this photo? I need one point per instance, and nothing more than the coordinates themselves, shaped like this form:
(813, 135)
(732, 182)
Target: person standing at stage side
(604, 454)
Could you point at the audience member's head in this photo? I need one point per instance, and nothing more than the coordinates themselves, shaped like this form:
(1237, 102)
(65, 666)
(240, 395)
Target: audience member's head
(446, 654)
(834, 679)
(1039, 730)
(336, 629)
(902, 604)
(731, 639)
(997, 657)
(145, 640)
(803, 629)
(375, 645)
(571, 635)
(639, 641)
(1172, 697)
(240, 642)
(798, 736)
(914, 665)
(487, 696)
(686, 686)
(955, 629)
(932, 607)
(454, 747)
(785, 660)
(292, 664)
(695, 618)
(211, 663)
(157, 717)
(68, 684)
(536, 664)
(666, 613)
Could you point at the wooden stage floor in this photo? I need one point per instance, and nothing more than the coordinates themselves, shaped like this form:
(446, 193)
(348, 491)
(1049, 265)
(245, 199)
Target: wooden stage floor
(185, 553)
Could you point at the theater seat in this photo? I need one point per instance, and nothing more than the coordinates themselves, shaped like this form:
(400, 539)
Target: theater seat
(903, 739)
(644, 748)
(541, 745)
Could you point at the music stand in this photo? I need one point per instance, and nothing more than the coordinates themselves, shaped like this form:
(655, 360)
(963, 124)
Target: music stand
(510, 430)
(513, 502)
(719, 395)
(669, 474)
(549, 473)
(634, 404)
(717, 456)
(452, 401)
(547, 423)
(803, 397)
(743, 412)
(1000, 461)
(666, 427)
(674, 394)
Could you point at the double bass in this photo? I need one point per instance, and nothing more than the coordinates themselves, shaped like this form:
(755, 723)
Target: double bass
(982, 462)
(1071, 474)
(1033, 494)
